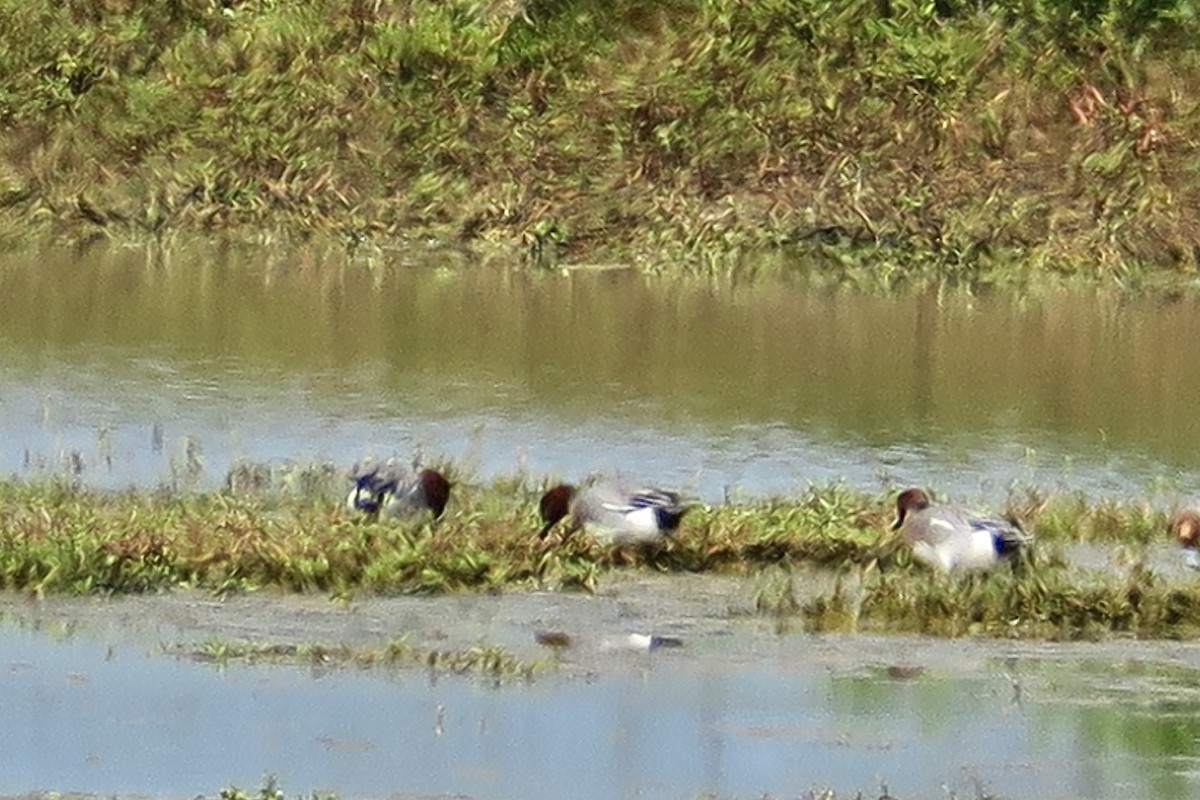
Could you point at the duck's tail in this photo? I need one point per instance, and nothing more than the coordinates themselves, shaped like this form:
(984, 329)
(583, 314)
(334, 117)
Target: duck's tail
(1010, 538)
(669, 507)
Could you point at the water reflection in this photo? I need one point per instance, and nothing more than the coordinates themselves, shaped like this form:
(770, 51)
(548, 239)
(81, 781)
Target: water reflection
(85, 719)
(302, 354)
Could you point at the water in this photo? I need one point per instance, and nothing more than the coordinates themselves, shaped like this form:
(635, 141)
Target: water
(105, 719)
(136, 369)
(140, 369)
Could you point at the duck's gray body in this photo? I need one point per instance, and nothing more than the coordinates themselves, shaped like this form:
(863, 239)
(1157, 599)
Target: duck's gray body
(949, 537)
(396, 491)
(614, 512)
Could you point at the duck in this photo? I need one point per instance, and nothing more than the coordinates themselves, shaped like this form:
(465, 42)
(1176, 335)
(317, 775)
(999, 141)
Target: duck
(613, 512)
(396, 491)
(947, 538)
(1185, 527)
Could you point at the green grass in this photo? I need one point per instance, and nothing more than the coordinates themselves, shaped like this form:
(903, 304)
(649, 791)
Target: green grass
(1048, 601)
(265, 515)
(287, 530)
(965, 141)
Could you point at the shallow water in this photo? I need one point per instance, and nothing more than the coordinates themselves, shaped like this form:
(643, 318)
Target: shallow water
(737, 712)
(142, 368)
(139, 369)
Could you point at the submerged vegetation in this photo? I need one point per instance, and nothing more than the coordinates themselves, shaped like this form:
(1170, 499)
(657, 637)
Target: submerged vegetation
(289, 531)
(1048, 601)
(485, 660)
(947, 137)
(270, 790)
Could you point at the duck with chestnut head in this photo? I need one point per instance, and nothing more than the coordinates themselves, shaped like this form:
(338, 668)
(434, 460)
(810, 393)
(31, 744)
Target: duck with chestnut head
(1185, 529)
(948, 537)
(615, 512)
(396, 491)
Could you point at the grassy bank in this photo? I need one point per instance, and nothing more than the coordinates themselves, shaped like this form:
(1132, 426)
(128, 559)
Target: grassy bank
(952, 138)
(296, 537)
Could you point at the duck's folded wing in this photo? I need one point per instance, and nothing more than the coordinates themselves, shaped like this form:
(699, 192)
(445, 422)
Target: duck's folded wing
(654, 498)
(1004, 530)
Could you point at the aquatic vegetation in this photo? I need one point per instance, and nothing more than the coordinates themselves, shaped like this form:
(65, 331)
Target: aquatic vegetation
(489, 660)
(830, 526)
(972, 142)
(1074, 518)
(268, 791)
(1040, 599)
(57, 536)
